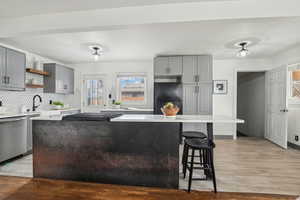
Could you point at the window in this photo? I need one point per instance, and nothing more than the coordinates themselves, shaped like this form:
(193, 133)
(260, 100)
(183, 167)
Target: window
(295, 89)
(131, 89)
(94, 90)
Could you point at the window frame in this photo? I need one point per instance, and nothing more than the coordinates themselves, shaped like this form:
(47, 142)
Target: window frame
(118, 88)
(86, 77)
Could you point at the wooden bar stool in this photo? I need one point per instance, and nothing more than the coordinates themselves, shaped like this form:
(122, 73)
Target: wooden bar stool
(206, 161)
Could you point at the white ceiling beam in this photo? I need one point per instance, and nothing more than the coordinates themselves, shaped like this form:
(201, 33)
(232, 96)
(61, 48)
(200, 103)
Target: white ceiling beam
(128, 16)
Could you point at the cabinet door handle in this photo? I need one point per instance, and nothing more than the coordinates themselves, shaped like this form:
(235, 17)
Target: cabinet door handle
(8, 80)
(4, 79)
(284, 110)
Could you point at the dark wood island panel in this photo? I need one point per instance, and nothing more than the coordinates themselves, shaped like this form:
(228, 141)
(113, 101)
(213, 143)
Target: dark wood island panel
(140, 154)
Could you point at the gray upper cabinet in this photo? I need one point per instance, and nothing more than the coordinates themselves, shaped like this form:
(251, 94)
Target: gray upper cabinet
(2, 67)
(12, 69)
(60, 79)
(168, 66)
(190, 69)
(204, 68)
(197, 69)
(15, 69)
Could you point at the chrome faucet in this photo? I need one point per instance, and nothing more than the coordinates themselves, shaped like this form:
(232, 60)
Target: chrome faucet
(34, 107)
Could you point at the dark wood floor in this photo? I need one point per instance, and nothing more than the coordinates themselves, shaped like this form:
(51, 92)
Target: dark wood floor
(14, 188)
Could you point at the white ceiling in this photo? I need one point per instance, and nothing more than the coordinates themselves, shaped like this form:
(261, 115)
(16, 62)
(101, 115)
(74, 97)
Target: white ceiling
(146, 41)
(17, 8)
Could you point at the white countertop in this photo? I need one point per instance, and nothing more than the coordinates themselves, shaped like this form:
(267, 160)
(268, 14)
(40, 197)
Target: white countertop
(10, 115)
(49, 113)
(179, 118)
(127, 109)
(49, 118)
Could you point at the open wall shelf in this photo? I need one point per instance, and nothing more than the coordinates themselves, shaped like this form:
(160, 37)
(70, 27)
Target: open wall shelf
(34, 86)
(35, 71)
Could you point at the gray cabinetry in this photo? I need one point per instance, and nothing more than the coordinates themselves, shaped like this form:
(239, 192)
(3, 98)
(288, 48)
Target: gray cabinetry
(197, 99)
(197, 86)
(190, 100)
(168, 66)
(13, 137)
(190, 69)
(204, 68)
(15, 69)
(204, 99)
(29, 132)
(60, 79)
(2, 67)
(12, 69)
(197, 69)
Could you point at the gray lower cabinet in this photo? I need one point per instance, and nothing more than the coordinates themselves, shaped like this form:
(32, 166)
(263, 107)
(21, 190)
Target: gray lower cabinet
(13, 137)
(168, 66)
(60, 79)
(197, 99)
(12, 69)
(204, 95)
(190, 99)
(29, 132)
(197, 69)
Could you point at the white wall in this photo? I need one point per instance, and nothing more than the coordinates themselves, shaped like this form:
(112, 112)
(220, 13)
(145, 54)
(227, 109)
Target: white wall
(227, 104)
(14, 99)
(111, 69)
(251, 104)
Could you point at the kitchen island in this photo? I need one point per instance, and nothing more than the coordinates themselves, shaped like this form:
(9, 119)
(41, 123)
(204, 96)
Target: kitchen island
(140, 150)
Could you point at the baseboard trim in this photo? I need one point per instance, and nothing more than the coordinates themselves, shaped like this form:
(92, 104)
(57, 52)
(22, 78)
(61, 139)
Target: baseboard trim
(227, 137)
(294, 146)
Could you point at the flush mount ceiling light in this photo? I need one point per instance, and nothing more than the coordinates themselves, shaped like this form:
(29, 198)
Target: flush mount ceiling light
(241, 45)
(244, 51)
(97, 51)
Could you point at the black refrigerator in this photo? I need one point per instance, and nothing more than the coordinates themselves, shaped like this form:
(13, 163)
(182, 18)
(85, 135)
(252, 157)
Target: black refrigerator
(167, 92)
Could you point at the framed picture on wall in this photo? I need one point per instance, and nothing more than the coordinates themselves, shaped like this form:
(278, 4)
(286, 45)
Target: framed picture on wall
(220, 86)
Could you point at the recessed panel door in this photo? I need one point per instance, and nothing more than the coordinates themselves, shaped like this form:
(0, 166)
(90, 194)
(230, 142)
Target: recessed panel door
(277, 107)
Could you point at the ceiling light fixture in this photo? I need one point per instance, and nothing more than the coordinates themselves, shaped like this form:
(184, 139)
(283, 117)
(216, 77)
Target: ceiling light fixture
(97, 51)
(244, 51)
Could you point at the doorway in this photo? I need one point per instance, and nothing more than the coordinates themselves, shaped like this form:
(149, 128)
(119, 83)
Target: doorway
(251, 91)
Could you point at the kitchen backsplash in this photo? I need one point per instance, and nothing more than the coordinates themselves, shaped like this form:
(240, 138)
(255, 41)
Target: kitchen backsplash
(14, 100)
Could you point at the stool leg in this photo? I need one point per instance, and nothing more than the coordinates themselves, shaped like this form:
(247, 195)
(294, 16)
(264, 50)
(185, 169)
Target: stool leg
(182, 157)
(185, 161)
(200, 157)
(213, 170)
(191, 170)
(207, 162)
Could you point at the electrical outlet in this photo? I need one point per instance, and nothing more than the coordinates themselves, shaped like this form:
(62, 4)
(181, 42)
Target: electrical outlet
(296, 138)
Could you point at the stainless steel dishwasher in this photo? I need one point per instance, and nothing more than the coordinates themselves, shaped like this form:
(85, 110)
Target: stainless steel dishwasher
(13, 137)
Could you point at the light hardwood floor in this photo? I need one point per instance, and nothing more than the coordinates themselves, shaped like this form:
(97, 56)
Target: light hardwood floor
(254, 165)
(245, 165)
